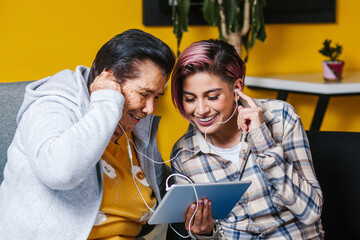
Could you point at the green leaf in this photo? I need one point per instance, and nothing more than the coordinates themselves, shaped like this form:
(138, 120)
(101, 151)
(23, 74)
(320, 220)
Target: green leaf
(230, 11)
(209, 12)
(180, 13)
(261, 32)
(234, 17)
(257, 26)
(331, 52)
(183, 6)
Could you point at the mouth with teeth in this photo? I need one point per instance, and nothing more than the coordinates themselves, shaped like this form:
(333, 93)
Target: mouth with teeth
(135, 118)
(206, 121)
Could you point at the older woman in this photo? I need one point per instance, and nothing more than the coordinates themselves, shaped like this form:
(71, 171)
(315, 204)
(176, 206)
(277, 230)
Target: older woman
(72, 172)
(234, 137)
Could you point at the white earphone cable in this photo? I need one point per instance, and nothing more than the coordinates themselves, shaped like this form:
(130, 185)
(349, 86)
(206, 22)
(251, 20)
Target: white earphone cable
(131, 160)
(236, 106)
(197, 203)
(184, 149)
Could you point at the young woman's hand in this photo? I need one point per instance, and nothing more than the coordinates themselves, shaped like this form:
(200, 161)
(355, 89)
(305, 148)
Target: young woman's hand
(105, 80)
(250, 116)
(202, 223)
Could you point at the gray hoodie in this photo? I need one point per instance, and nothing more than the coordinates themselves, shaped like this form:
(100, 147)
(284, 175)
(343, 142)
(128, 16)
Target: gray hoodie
(52, 186)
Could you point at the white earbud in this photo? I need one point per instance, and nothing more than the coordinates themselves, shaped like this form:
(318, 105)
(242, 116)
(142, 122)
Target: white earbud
(235, 93)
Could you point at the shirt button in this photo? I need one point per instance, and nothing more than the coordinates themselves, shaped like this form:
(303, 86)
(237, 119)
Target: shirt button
(257, 220)
(244, 150)
(231, 219)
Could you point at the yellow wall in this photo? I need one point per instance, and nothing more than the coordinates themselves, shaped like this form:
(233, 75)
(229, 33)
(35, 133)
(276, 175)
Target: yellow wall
(41, 37)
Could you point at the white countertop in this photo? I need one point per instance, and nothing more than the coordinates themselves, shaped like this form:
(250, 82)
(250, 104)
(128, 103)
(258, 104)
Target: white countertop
(313, 83)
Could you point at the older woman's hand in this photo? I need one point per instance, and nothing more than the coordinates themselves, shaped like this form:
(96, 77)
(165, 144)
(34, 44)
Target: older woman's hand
(202, 223)
(105, 80)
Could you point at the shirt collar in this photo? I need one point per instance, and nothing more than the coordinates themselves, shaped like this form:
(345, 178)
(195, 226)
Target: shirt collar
(145, 128)
(195, 140)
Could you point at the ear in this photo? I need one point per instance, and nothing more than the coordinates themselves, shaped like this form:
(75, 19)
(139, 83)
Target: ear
(239, 84)
(108, 70)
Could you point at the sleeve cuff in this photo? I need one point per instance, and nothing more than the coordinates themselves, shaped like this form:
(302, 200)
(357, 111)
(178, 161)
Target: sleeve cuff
(260, 139)
(214, 236)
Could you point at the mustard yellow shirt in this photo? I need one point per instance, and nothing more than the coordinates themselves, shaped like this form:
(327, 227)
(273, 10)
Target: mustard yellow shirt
(123, 211)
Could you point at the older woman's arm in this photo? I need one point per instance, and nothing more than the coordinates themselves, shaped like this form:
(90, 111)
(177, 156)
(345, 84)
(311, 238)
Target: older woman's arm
(61, 149)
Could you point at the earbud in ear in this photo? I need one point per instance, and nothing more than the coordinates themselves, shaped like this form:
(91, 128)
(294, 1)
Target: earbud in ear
(235, 93)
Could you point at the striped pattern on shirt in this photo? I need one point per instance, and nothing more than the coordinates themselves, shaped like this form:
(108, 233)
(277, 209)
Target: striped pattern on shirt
(284, 200)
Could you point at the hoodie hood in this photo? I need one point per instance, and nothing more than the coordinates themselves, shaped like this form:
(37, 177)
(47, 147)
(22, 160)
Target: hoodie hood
(66, 85)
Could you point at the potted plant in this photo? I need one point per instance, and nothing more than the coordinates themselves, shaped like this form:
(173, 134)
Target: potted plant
(240, 22)
(333, 67)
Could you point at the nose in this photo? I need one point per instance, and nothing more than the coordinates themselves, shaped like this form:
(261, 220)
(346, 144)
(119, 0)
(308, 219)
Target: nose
(150, 106)
(202, 108)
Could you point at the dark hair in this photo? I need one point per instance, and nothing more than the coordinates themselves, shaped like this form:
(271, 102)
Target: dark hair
(124, 52)
(212, 56)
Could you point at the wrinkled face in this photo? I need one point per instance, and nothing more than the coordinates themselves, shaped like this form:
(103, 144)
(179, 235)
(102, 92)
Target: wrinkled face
(141, 94)
(207, 100)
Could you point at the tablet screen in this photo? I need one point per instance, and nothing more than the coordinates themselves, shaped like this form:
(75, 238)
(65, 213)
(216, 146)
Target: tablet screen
(223, 197)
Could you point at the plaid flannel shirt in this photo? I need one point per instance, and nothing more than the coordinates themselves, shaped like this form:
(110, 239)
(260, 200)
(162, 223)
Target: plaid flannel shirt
(284, 200)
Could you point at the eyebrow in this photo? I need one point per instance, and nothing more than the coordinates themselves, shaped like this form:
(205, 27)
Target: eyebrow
(207, 92)
(151, 91)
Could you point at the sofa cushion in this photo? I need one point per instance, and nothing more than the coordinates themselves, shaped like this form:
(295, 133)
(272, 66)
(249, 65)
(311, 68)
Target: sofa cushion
(11, 97)
(336, 162)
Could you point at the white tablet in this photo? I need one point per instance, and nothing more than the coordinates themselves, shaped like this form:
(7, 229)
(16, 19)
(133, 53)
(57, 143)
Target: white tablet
(223, 197)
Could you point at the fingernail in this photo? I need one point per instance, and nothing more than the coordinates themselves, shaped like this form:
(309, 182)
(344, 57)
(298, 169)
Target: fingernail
(193, 206)
(205, 201)
(200, 202)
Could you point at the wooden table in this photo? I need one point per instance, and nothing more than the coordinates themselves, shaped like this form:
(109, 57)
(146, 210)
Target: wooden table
(313, 84)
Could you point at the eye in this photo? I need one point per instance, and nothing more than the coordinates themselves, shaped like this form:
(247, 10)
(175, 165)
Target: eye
(144, 95)
(189, 99)
(213, 98)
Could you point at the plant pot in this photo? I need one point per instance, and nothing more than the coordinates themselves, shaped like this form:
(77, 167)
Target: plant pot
(333, 70)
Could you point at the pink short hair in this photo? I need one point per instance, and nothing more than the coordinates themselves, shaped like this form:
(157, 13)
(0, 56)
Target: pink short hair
(212, 56)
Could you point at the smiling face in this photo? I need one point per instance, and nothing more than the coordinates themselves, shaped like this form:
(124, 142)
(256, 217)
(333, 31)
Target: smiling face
(207, 100)
(141, 94)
